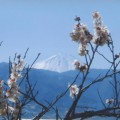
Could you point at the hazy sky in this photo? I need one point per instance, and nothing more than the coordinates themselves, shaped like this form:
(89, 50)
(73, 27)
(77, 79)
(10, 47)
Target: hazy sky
(44, 25)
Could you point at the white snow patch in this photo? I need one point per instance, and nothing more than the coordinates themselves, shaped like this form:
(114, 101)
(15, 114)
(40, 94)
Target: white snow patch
(58, 63)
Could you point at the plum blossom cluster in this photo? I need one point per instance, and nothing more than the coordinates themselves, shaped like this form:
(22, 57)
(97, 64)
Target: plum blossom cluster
(4, 108)
(3, 103)
(101, 34)
(82, 36)
(74, 90)
(16, 74)
(109, 101)
(12, 94)
(79, 66)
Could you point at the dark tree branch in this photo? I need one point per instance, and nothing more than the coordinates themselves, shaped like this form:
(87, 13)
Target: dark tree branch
(108, 112)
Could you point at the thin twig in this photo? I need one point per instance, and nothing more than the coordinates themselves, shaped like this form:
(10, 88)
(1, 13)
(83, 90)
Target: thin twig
(104, 57)
(29, 68)
(101, 99)
(25, 53)
(1, 43)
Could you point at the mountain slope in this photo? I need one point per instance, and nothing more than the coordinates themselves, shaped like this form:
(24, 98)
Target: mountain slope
(50, 84)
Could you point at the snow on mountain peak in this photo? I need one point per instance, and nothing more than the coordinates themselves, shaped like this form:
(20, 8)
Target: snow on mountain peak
(58, 63)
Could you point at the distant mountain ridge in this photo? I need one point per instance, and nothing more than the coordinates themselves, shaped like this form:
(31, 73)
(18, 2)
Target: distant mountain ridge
(58, 63)
(51, 84)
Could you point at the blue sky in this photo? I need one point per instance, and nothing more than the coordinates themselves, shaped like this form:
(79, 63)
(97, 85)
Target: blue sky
(44, 26)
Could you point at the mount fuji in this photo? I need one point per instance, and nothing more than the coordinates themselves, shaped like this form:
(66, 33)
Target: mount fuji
(58, 63)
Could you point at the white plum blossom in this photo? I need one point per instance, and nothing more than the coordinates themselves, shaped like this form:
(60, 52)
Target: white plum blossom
(109, 101)
(16, 73)
(101, 34)
(74, 90)
(76, 64)
(12, 94)
(97, 17)
(12, 75)
(84, 68)
(81, 35)
(13, 67)
(82, 50)
(11, 82)
(1, 83)
(1, 91)
(20, 64)
(79, 66)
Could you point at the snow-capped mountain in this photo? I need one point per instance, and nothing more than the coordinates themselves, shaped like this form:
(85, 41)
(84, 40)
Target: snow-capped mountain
(58, 63)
